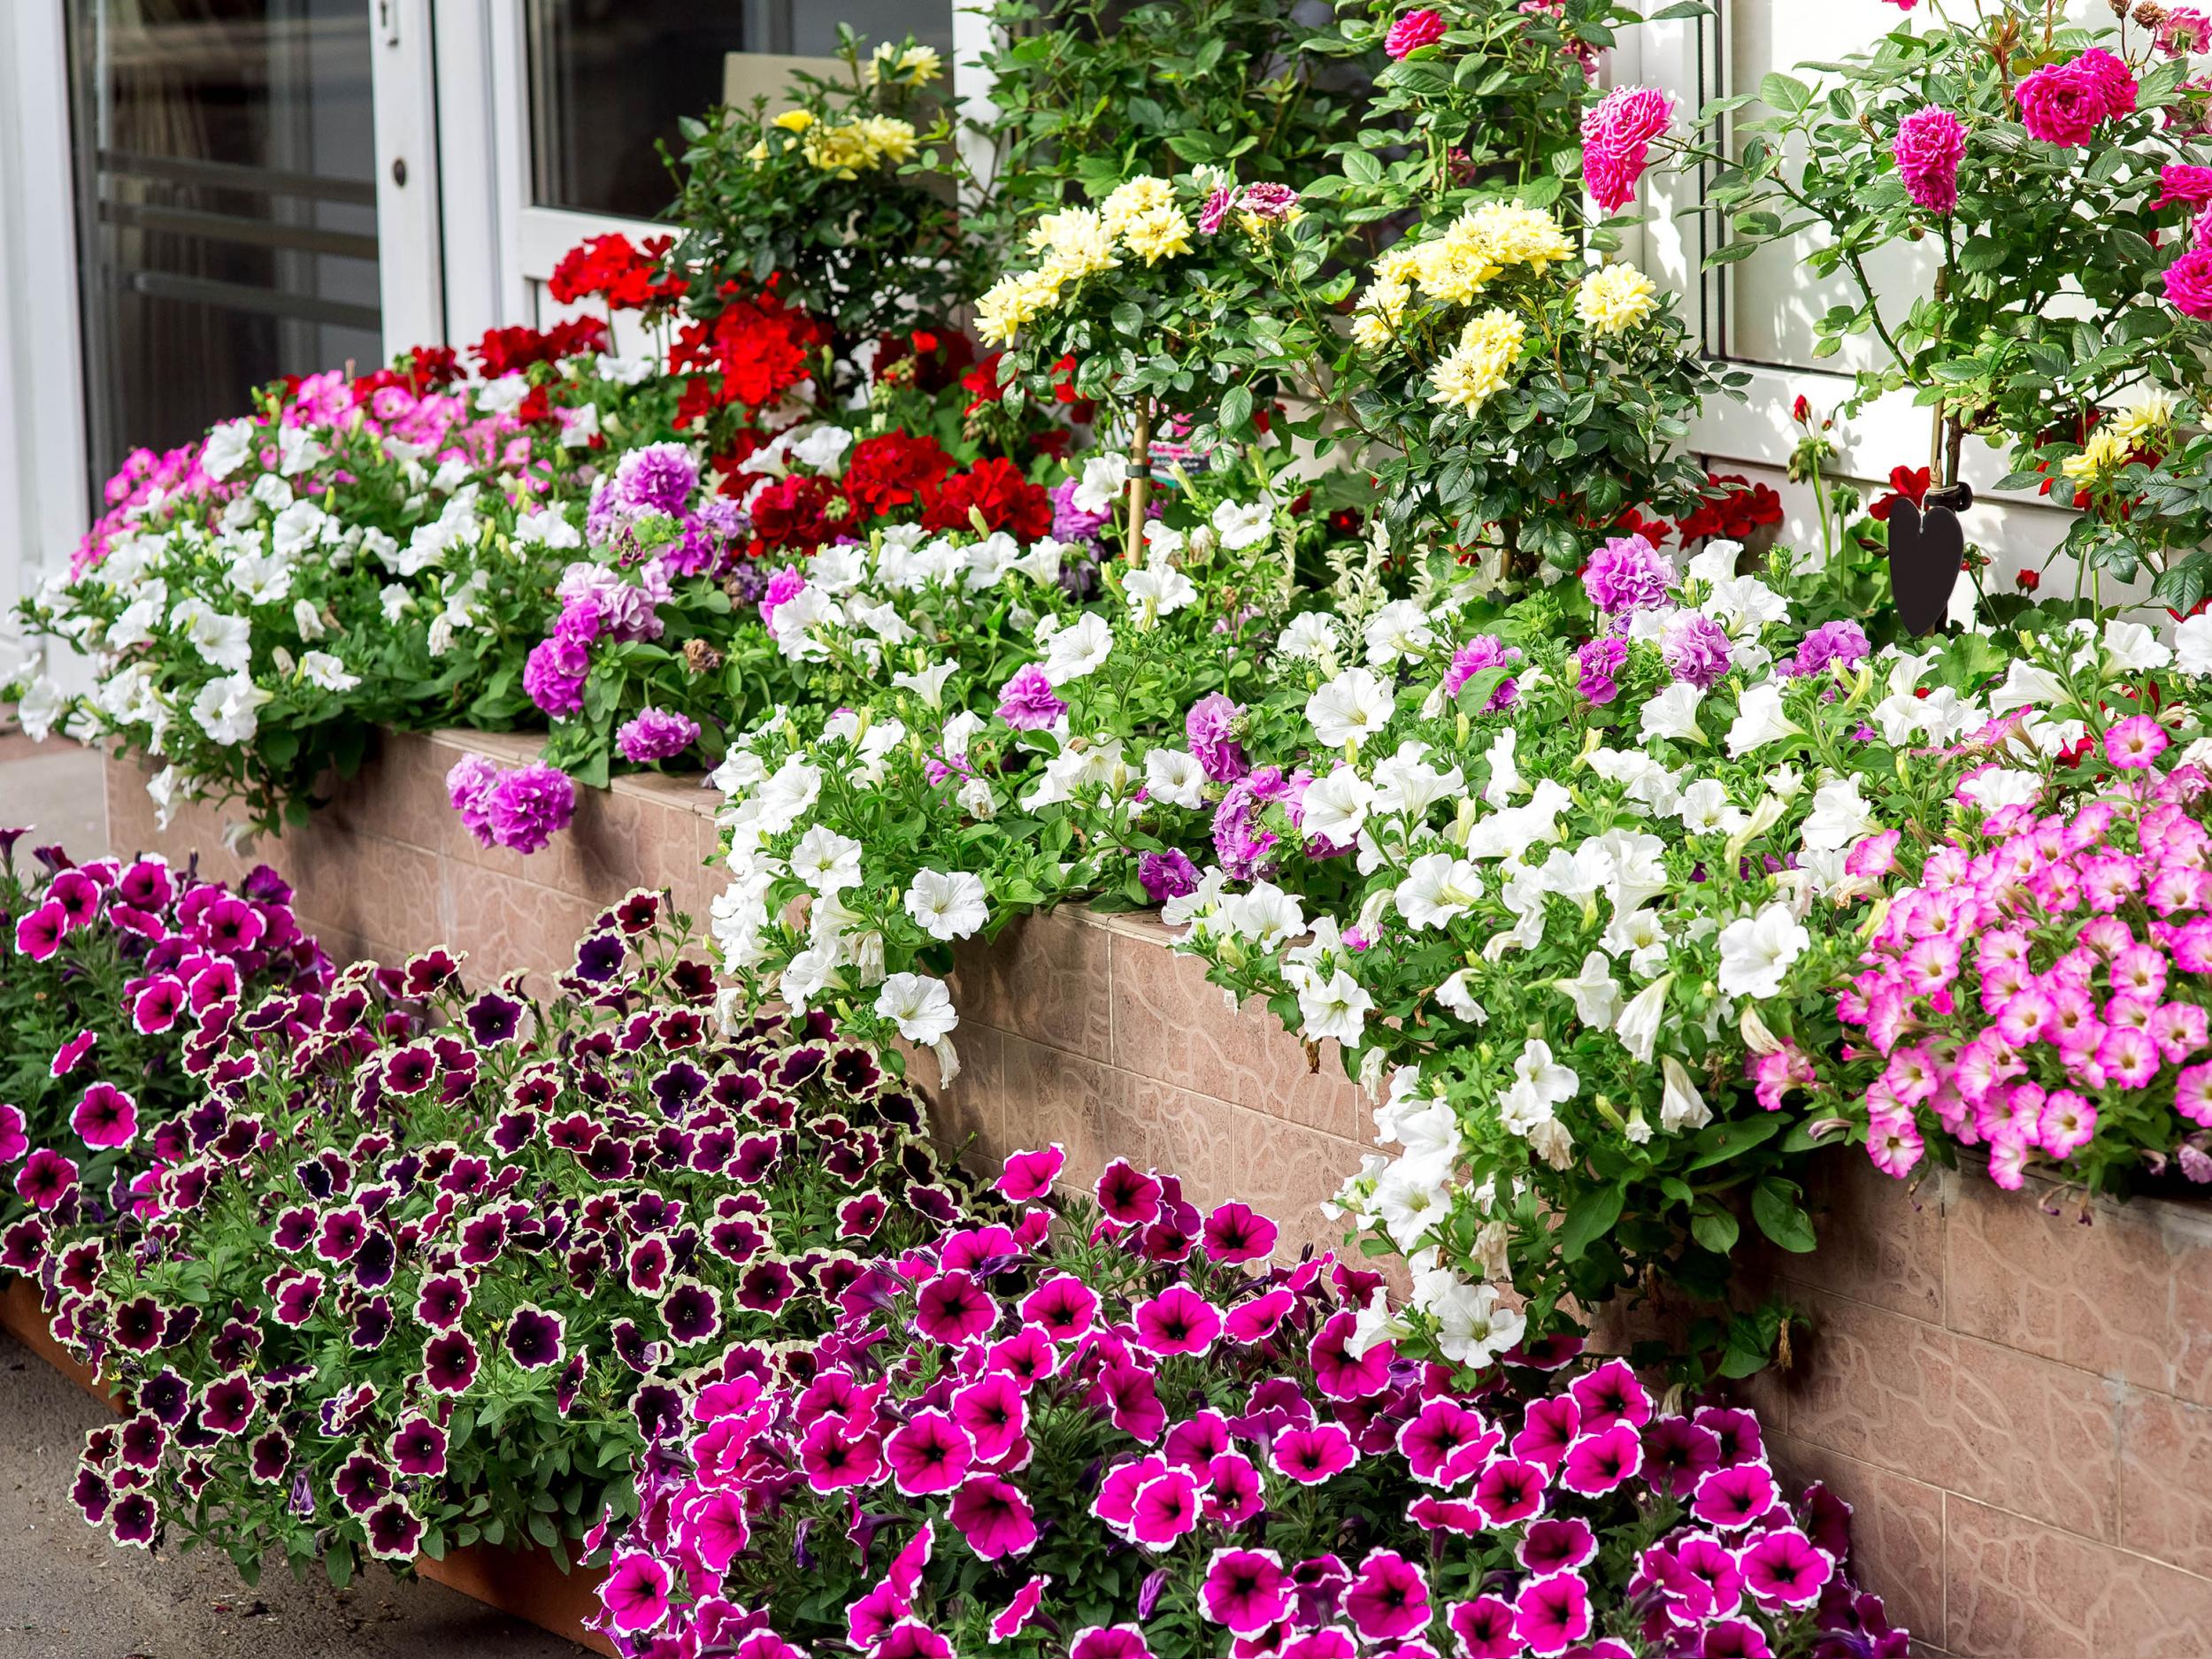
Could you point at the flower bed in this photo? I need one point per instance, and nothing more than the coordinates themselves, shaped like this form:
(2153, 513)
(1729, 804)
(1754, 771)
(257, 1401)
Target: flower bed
(1960, 1333)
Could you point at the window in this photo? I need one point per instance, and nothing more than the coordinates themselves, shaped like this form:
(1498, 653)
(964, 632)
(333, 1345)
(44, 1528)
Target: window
(609, 80)
(225, 173)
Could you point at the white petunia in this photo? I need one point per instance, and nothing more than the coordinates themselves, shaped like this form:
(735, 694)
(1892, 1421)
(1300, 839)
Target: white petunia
(918, 1005)
(1597, 999)
(1336, 807)
(42, 704)
(1100, 487)
(1078, 649)
(1173, 775)
(1352, 706)
(1437, 889)
(1472, 1330)
(1680, 1105)
(1995, 787)
(1759, 721)
(226, 448)
(928, 684)
(1399, 630)
(1673, 714)
(1839, 818)
(1756, 950)
(2193, 648)
(2133, 649)
(1638, 1026)
(823, 448)
(548, 527)
(225, 642)
(322, 669)
(1406, 784)
(1335, 1007)
(1311, 637)
(1158, 591)
(228, 709)
(1266, 915)
(307, 621)
(263, 578)
(946, 905)
(1243, 524)
(826, 861)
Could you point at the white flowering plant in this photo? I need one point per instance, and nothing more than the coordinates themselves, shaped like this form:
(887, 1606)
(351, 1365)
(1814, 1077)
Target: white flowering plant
(353, 552)
(966, 749)
(1551, 901)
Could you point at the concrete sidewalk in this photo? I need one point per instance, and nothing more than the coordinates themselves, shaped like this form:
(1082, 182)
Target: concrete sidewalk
(55, 788)
(72, 1595)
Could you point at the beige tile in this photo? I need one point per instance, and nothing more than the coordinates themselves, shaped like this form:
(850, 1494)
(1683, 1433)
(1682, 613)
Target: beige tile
(1045, 978)
(1896, 1529)
(2166, 1481)
(2018, 1589)
(1881, 1241)
(1172, 1025)
(2124, 1290)
(1223, 1152)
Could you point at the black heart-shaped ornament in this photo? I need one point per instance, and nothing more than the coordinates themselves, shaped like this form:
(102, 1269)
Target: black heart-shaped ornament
(1927, 552)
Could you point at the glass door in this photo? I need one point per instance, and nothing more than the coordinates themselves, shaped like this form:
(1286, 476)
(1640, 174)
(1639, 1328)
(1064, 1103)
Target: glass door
(231, 160)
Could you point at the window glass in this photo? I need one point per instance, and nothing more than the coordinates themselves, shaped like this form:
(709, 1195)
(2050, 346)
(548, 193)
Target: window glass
(227, 206)
(610, 78)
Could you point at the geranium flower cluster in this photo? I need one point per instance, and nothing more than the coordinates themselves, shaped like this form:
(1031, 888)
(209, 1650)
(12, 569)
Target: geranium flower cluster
(2035, 985)
(1129, 1434)
(418, 1268)
(116, 977)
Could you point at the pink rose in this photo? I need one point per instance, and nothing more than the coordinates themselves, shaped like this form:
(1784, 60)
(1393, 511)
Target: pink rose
(1929, 147)
(2062, 103)
(1616, 134)
(1413, 31)
(2189, 283)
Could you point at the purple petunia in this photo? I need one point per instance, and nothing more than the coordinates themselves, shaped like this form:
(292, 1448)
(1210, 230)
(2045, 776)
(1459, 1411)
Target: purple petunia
(527, 807)
(656, 734)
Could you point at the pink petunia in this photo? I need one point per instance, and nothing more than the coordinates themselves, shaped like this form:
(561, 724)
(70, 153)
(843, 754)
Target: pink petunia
(929, 1452)
(1028, 1176)
(1599, 1462)
(1166, 1509)
(105, 1117)
(1178, 1321)
(1784, 1568)
(1388, 1597)
(1236, 1234)
(1311, 1457)
(1021, 1612)
(993, 1516)
(67, 1056)
(1552, 1614)
(1484, 1628)
(1245, 1590)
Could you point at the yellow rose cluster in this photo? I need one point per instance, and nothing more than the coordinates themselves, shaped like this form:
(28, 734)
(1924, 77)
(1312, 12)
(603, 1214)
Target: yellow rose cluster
(848, 149)
(1484, 245)
(903, 65)
(1140, 219)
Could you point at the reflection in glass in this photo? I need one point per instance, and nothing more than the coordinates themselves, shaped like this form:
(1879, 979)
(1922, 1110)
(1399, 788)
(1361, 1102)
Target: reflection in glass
(609, 80)
(227, 206)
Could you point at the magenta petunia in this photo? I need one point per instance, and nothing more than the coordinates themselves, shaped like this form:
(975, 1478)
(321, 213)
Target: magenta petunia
(67, 1056)
(1610, 1395)
(1021, 1612)
(1179, 1321)
(105, 1117)
(993, 1516)
(1062, 1307)
(1784, 1568)
(1445, 1443)
(1552, 1614)
(929, 1454)
(1236, 1234)
(1510, 1490)
(1166, 1509)
(1339, 1374)
(1028, 1176)
(1245, 1590)
(38, 935)
(1485, 1629)
(1734, 1497)
(993, 1414)
(1119, 1641)
(1388, 1597)
(45, 1178)
(1128, 1197)
(1257, 1319)
(954, 1308)
(635, 1593)
(1311, 1457)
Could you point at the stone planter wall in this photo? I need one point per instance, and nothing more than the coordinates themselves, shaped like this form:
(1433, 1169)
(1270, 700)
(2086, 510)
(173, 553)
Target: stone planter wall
(2018, 1399)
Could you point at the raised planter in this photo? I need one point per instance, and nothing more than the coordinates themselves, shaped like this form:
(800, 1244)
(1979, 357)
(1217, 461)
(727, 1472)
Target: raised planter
(2017, 1398)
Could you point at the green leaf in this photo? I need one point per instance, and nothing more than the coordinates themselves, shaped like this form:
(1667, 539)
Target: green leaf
(1715, 1228)
(1236, 407)
(1589, 1219)
(1127, 316)
(1774, 1207)
(1786, 93)
(1361, 168)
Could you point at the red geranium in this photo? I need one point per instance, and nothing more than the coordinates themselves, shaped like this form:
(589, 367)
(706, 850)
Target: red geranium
(427, 367)
(996, 490)
(981, 383)
(505, 351)
(929, 359)
(1731, 514)
(792, 514)
(755, 350)
(1906, 483)
(893, 470)
(624, 276)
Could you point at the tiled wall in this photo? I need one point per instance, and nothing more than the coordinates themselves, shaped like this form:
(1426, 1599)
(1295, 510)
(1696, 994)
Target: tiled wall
(2016, 1397)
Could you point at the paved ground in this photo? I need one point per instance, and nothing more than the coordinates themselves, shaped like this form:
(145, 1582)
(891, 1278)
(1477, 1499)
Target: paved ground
(69, 1594)
(55, 787)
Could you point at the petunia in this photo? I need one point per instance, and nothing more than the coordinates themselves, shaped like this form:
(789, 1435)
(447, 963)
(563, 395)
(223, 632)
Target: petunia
(1510, 1490)
(1734, 1497)
(635, 1593)
(105, 1117)
(1336, 1372)
(993, 1414)
(1178, 1321)
(1610, 1395)
(1028, 1176)
(1552, 1614)
(1257, 1319)
(46, 1179)
(1166, 1509)
(449, 1362)
(928, 1453)
(993, 1516)
(1485, 1629)
(65, 1058)
(952, 1309)
(1597, 1463)
(1233, 1492)
(1311, 1457)
(1127, 1197)
(1784, 1568)
(1245, 1590)
(1388, 1597)
(1118, 1641)
(1021, 1612)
